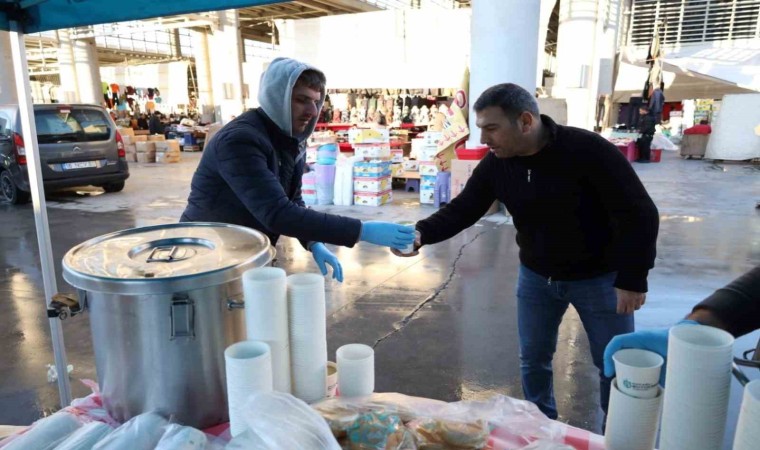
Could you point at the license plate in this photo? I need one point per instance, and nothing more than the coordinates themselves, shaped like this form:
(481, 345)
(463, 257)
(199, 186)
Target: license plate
(79, 165)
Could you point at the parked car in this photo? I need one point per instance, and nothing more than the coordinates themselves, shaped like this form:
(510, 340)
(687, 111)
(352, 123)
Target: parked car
(79, 146)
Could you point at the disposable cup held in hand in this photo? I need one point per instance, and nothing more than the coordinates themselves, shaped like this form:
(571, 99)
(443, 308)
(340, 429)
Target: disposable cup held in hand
(332, 379)
(638, 372)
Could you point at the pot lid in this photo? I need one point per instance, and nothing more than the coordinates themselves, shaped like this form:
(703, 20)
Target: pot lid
(166, 258)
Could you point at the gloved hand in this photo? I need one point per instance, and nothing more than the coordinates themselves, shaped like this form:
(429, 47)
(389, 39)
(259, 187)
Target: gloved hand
(652, 340)
(387, 234)
(323, 256)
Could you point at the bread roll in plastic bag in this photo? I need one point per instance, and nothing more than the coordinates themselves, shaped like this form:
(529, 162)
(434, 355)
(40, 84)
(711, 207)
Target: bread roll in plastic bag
(178, 437)
(140, 433)
(86, 437)
(47, 433)
(278, 421)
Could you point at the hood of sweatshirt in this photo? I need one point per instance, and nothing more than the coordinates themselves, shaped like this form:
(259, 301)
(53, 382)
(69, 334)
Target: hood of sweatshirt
(276, 90)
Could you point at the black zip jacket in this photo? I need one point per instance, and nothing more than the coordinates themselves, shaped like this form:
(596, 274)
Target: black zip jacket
(250, 175)
(579, 209)
(737, 305)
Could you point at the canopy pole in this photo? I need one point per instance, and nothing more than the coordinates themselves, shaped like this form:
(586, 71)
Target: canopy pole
(29, 131)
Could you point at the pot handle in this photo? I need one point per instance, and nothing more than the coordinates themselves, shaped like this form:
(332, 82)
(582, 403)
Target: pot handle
(67, 305)
(234, 304)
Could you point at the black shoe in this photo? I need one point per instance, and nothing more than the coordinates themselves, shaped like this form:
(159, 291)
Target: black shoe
(643, 161)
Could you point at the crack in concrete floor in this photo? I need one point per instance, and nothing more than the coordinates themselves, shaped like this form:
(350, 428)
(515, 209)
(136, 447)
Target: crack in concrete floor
(401, 324)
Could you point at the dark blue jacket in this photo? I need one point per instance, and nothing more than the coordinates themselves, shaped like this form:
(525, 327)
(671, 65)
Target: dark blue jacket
(250, 175)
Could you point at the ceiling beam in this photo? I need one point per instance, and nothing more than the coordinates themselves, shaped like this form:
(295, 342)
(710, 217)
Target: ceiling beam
(349, 5)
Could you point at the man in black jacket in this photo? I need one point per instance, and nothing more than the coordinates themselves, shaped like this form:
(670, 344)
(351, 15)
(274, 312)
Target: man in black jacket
(250, 172)
(586, 229)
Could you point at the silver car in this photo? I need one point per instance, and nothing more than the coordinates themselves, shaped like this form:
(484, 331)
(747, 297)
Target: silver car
(79, 146)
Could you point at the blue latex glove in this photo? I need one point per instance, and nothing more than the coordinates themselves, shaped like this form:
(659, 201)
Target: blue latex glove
(323, 256)
(387, 234)
(652, 340)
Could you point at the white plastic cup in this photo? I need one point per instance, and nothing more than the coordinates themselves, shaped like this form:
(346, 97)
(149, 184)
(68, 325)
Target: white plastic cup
(748, 428)
(249, 369)
(356, 370)
(332, 379)
(632, 422)
(697, 388)
(409, 248)
(638, 372)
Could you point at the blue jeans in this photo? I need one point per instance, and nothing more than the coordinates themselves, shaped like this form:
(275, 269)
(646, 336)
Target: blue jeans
(540, 307)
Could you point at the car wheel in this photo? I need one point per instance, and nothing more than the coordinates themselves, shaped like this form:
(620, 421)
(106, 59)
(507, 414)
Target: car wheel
(114, 187)
(10, 192)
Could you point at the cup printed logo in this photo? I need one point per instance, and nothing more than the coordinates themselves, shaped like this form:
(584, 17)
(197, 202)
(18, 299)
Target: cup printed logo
(628, 384)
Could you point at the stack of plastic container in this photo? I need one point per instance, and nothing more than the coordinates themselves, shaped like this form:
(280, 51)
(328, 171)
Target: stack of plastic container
(425, 148)
(372, 172)
(309, 188)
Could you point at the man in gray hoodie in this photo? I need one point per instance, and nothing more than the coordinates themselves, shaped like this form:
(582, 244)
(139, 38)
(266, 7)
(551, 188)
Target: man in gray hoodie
(250, 172)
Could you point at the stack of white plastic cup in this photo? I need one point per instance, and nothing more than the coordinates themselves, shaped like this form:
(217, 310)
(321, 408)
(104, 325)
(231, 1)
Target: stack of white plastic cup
(356, 370)
(635, 401)
(266, 318)
(748, 428)
(308, 336)
(249, 369)
(696, 388)
(638, 372)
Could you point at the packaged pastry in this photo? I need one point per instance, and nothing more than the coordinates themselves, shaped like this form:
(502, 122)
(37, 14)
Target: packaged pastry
(379, 431)
(338, 416)
(439, 434)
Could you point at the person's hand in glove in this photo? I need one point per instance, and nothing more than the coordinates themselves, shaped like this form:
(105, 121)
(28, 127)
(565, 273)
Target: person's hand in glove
(323, 257)
(387, 234)
(652, 340)
(415, 249)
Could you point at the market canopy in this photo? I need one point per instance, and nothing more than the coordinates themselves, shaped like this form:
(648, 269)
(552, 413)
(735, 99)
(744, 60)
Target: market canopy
(43, 15)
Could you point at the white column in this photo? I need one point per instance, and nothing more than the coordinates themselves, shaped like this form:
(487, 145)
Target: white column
(205, 98)
(504, 48)
(67, 69)
(225, 47)
(7, 77)
(578, 58)
(88, 71)
(547, 6)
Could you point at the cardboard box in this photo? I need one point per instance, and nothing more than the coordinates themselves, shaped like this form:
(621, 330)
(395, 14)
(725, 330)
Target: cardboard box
(140, 139)
(127, 140)
(156, 137)
(146, 157)
(411, 165)
(373, 185)
(167, 157)
(427, 182)
(428, 168)
(379, 151)
(131, 156)
(427, 154)
(397, 169)
(397, 155)
(368, 136)
(372, 169)
(142, 133)
(171, 145)
(372, 199)
(461, 171)
(427, 196)
(124, 132)
(130, 148)
(145, 147)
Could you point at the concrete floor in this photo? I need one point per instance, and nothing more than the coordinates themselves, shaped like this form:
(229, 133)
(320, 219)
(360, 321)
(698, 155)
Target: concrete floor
(443, 324)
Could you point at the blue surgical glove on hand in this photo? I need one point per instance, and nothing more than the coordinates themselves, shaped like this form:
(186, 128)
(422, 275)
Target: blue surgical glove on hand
(387, 234)
(652, 340)
(323, 256)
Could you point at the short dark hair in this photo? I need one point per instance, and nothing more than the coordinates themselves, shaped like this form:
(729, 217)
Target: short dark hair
(511, 98)
(313, 79)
